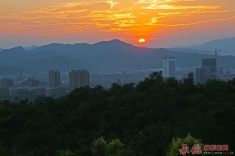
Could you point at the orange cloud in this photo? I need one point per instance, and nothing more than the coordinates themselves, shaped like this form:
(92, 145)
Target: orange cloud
(199, 22)
(142, 16)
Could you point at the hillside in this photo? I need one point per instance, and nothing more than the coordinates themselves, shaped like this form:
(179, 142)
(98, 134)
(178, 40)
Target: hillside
(105, 55)
(31, 47)
(126, 120)
(226, 45)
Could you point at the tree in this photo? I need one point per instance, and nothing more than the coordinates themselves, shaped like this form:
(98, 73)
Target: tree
(139, 144)
(99, 147)
(189, 144)
(64, 153)
(156, 76)
(113, 147)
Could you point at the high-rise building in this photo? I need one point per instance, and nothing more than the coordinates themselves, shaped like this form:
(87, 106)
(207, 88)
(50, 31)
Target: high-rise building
(54, 78)
(210, 63)
(202, 74)
(78, 78)
(168, 67)
(55, 89)
(7, 82)
(207, 71)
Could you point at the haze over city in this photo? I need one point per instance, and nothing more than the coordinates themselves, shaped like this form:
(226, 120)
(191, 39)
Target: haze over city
(117, 77)
(162, 23)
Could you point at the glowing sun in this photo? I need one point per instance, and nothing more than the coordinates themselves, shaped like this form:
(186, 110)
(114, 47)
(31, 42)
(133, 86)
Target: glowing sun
(141, 40)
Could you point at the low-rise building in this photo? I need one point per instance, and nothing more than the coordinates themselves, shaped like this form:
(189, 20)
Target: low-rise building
(32, 82)
(21, 93)
(56, 92)
(7, 82)
(4, 92)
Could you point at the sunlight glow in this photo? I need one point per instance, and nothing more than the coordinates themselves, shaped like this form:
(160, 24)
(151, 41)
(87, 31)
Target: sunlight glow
(167, 21)
(141, 40)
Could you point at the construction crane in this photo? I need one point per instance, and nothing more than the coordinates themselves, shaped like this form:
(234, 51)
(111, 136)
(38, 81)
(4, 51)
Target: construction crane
(216, 63)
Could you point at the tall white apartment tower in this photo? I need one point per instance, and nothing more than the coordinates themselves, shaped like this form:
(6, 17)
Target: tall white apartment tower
(54, 78)
(78, 78)
(168, 67)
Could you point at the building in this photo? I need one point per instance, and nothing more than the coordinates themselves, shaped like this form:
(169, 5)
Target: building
(210, 63)
(56, 92)
(78, 78)
(228, 71)
(21, 93)
(168, 67)
(54, 78)
(4, 89)
(7, 82)
(21, 75)
(201, 74)
(32, 82)
(4, 93)
(207, 71)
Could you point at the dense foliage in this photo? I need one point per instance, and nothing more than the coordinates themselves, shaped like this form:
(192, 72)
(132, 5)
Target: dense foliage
(125, 120)
(190, 142)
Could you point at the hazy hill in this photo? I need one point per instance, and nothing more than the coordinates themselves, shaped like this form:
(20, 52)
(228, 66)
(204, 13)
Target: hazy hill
(31, 47)
(1, 49)
(13, 54)
(6, 69)
(53, 62)
(226, 45)
(192, 51)
(103, 55)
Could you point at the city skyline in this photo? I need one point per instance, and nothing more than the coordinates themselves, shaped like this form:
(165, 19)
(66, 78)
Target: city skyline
(162, 23)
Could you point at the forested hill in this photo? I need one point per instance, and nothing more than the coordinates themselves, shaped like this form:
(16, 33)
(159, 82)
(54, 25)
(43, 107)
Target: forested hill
(106, 55)
(126, 120)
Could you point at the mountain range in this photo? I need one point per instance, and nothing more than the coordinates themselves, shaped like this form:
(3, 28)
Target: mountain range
(31, 47)
(226, 46)
(105, 55)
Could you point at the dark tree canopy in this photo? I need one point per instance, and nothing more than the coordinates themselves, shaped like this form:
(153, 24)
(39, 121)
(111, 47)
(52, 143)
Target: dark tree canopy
(126, 120)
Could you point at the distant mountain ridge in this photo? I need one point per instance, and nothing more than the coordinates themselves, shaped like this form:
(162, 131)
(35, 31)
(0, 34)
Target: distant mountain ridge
(105, 55)
(31, 47)
(226, 45)
(13, 54)
(191, 51)
(8, 69)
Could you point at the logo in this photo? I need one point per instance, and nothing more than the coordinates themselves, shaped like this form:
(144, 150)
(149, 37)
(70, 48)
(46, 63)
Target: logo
(208, 149)
(196, 149)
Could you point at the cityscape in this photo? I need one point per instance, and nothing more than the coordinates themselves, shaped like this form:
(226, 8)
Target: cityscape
(55, 84)
(117, 77)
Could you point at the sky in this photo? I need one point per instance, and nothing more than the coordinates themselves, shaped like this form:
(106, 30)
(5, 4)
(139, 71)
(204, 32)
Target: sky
(162, 23)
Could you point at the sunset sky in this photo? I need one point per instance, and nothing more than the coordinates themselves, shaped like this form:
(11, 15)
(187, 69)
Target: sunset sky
(162, 23)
